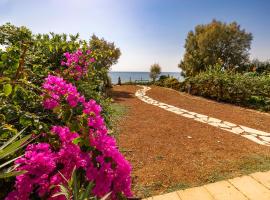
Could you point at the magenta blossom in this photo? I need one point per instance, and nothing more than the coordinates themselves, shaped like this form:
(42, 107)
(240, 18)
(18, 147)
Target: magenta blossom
(77, 63)
(105, 166)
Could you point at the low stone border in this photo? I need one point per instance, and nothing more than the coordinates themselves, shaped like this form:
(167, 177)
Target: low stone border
(254, 135)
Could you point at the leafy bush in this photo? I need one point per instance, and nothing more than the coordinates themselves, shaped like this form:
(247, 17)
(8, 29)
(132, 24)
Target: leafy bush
(161, 80)
(247, 89)
(169, 82)
(172, 82)
(79, 141)
(27, 59)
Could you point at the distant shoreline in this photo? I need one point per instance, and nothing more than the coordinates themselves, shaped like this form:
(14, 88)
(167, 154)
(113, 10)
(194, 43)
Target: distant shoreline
(142, 71)
(127, 76)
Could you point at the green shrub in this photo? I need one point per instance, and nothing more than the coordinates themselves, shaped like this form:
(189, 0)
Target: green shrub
(172, 83)
(169, 82)
(25, 61)
(248, 89)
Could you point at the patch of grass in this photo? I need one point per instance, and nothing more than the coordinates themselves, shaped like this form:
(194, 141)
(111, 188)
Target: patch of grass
(118, 112)
(247, 165)
(218, 176)
(255, 163)
(178, 186)
(145, 191)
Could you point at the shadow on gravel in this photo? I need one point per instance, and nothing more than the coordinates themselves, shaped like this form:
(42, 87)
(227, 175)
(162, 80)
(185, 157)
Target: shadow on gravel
(120, 95)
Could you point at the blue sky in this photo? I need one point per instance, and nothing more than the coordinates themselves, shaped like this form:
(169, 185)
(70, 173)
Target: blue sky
(147, 31)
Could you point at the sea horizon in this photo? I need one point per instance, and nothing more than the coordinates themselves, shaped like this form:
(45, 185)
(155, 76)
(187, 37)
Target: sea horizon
(148, 71)
(127, 76)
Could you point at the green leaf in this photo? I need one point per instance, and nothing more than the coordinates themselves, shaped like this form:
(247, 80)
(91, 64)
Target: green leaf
(87, 193)
(14, 147)
(75, 185)
(70, 46)
(74, 126)
(10, 174)
(7, 88)
(2, 118)
(12, 139)
(50, 48)
(3, 79)
(67, 114)
(64, 191)
(25, 120)
(4, 57)
(77, 140)
(9, 161)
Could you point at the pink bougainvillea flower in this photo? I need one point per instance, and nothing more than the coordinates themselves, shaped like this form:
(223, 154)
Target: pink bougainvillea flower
(105, 166)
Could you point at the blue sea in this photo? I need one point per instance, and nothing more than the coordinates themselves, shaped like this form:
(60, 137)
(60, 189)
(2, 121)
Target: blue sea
(127, 76)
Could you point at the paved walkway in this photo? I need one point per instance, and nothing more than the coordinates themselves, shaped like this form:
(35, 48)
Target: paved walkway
(254, 135)
(255, 186)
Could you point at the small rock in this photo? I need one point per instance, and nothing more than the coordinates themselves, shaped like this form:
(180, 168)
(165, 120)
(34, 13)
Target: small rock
(189, 137)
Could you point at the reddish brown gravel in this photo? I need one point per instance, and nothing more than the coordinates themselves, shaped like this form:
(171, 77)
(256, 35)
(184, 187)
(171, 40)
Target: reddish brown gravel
(168, 151)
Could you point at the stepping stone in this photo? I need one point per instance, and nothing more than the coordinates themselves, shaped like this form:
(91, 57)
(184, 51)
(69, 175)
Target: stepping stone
(188, 115)
(262, 177)
(162, 106)
(251, 188)
(201, 116)
(197, 193)
(254, 139)
(168, 196)
(237, 130)
(227, 129)
(174, 109)
(211, 119)
(171, 106)
(213, 124)
(224, 126)
(223, 190)
(229, 124)
(176, 112)
(267, 139)
(200, 120)
(254, 131)
(183, 110)
(192, 113)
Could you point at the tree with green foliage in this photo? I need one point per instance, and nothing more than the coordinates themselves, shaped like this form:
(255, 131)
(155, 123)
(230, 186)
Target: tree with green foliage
(155, 71)
(216, 42)
(106, 54)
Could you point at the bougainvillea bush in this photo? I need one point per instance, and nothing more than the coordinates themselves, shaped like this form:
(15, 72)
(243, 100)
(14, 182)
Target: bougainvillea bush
(91, 148)
(60, 107)
(82, 143)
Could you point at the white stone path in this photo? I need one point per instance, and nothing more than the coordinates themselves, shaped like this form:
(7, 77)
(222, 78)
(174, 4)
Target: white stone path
(254, 135)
